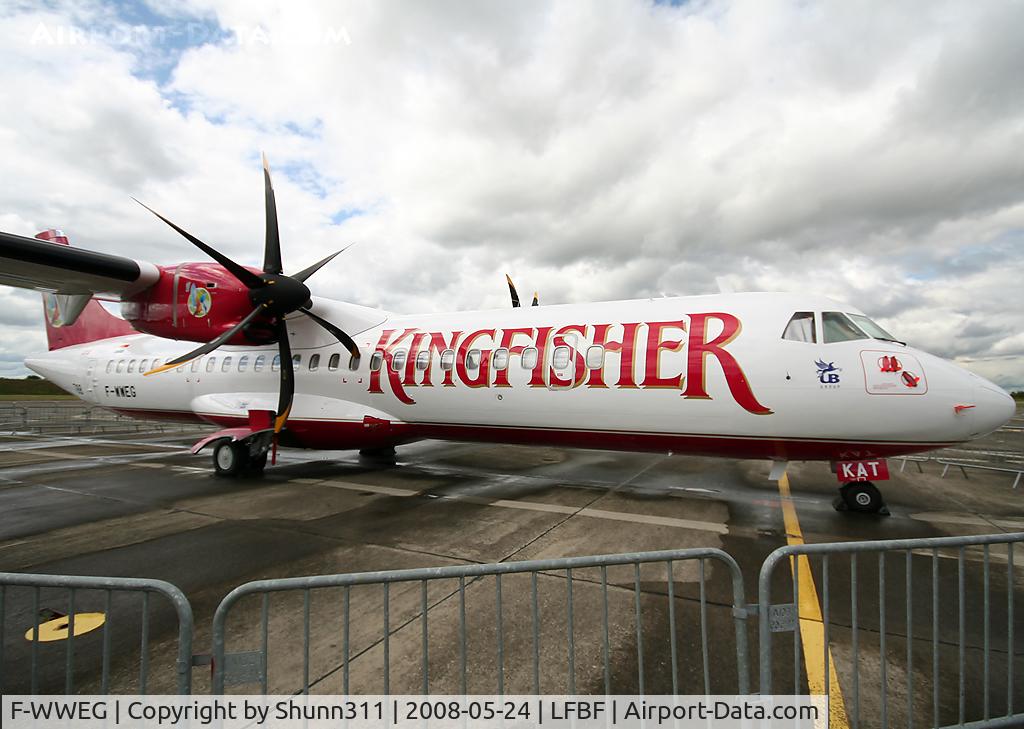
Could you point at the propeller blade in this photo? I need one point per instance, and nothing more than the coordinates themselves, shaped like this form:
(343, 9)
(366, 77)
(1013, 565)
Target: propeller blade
(512, 290)
(244, 275)
(209, 346)
(284, 401)
(345, 339)
(307, 272)
(272, 249)
(536, 301)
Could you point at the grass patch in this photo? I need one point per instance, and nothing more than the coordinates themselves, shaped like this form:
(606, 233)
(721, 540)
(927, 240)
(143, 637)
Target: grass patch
(21, 387)
(27, 398)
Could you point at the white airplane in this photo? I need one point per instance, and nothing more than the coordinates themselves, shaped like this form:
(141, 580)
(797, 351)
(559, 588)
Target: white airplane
(756, 375)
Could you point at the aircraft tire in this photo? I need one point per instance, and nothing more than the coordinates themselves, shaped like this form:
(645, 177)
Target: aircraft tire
(229, 458)
(862, 496)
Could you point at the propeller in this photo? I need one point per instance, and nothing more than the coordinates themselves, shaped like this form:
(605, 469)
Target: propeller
(273, 294)
(515, 294)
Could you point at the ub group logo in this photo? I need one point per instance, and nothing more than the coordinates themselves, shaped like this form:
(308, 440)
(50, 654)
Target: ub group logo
(828, 373)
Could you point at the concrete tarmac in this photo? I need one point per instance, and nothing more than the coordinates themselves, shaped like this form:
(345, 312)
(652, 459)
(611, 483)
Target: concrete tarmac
(137, 504)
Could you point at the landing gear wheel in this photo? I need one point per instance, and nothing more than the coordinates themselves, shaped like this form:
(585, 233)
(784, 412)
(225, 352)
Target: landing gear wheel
(863, 496)
(229, 458)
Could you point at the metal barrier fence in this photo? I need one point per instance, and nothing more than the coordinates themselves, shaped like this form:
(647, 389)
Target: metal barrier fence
(26, 598)
(964, 466)
(73, 417)
(553, 592)
(922, 602)
(947, 464)
(929, 636)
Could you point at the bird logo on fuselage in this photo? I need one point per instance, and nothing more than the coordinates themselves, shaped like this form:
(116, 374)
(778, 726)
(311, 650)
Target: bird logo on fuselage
(828, 372)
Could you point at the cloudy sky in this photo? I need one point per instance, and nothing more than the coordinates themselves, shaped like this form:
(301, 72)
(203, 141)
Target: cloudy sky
(870, 151)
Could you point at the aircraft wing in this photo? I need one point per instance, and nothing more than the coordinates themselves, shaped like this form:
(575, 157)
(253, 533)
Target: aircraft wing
(55, 267)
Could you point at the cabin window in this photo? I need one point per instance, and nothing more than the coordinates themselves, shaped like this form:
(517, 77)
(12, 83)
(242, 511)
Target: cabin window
(131, 366)
(560, 357)
(275, 364)
(180, 368)
(211, 364)
(529, 358)
(257, 364)
(801, 328)
(353, 362)
(296, 361)
(398, 360)
(243, 363)
(225, 365)
(120, 366)
(447, 359)
(499, 360)
(595, 357)
(156, 363)
(142, 365)
(314, 363)
(376, 360)
(110, 366)
(473, 359)
(334, 362)
(838, 328)
(195, 365)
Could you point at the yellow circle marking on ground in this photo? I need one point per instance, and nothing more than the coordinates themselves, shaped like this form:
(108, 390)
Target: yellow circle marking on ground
(57, 629)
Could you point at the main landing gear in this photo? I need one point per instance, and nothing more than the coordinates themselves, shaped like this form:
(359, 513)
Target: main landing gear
(383, 456)
(232, 458)
(860, 496)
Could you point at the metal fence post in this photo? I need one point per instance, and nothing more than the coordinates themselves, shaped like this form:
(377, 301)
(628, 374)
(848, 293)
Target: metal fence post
(73, 583)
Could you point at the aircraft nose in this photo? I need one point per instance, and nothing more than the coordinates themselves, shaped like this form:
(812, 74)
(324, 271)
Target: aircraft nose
(994, 408)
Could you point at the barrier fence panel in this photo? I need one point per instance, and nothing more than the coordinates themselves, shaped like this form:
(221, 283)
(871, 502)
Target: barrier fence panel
(625, 623)
(929, 635)
(70, 634)
(74, 417)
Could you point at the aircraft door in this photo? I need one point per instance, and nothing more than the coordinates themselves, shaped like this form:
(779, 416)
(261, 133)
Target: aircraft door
(90, 381)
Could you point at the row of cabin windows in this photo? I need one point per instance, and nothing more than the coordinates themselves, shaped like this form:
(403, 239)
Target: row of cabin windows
(836, 327)
(229, 363)
(560, 358)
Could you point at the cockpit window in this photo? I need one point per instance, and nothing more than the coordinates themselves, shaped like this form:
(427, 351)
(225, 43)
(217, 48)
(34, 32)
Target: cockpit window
(801, 328)
(838, 328)
(871, 328)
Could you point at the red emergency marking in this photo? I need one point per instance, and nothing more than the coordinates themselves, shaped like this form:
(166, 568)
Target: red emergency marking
(862, 471)
(889, 364)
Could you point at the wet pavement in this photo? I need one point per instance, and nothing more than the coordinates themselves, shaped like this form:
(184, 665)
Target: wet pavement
(137, 504)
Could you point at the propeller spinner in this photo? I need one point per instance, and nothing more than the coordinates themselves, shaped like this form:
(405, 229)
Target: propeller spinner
(273, 295)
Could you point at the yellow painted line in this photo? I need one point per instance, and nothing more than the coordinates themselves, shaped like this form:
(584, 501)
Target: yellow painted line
(812, 627)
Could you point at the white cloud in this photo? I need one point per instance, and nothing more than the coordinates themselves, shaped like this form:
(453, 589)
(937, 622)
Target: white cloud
(595, 151)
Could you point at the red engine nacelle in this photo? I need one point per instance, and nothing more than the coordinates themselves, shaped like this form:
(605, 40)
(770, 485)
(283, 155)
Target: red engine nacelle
(196, 302)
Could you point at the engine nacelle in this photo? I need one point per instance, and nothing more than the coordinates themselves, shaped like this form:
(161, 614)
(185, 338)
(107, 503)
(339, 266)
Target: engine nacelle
(196, 302)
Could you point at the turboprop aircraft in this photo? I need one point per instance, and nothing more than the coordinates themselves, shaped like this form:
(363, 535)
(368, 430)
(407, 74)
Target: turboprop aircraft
(749, 375)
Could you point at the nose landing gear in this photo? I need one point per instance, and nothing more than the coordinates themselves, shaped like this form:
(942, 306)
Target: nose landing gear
(860, 496)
